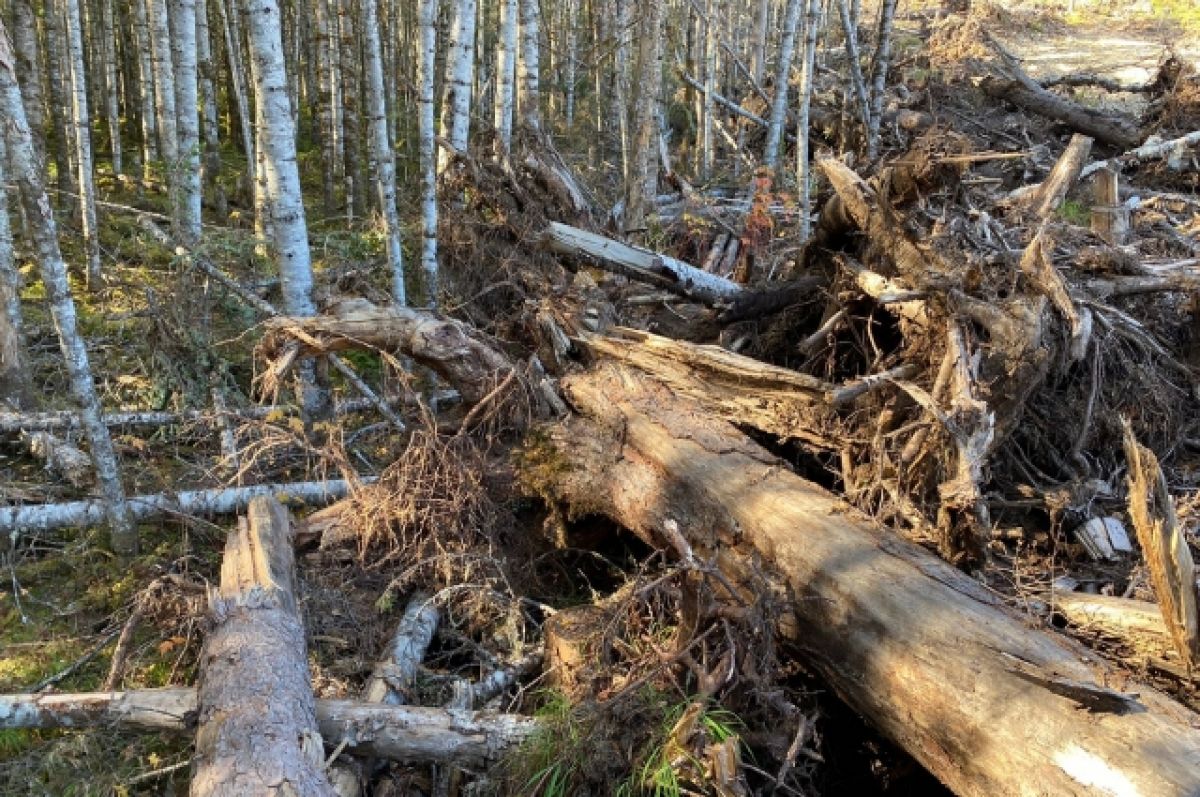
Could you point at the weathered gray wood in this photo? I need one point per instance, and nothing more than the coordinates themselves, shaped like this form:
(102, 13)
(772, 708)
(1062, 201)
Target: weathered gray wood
(641, 264)
(396, 672)
(256, 722)
(984, 702)
(397, 733)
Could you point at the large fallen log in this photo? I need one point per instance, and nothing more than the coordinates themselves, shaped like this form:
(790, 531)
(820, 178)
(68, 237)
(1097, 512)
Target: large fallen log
(256, 716)
(396, 733)
(641, 264)
(986, 703)
(16, 521)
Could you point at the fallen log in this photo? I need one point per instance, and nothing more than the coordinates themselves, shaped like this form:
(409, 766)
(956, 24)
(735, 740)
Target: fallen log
(641, 264)
(396, 672)
(938, 664)
(1045, 197)
(16, 521)
(1022, 91)
(1153, 148)
(397, 733)
(256, 721)
(450, 348)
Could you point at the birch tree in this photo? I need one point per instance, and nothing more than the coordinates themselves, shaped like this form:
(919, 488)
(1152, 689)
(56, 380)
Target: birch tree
(643, 182)
(506, 72)
(29, 68)
(277, 145)
(381, 149)
(15, 384)
(58, 72)
(879, 70)
(83, 141)
(460, 76)
(209, 125)
(812, 25)
(427, 13)
(164, 98)
(529, 97)
(787, 49)
(146, 84)
(112, 89)
(43, 230)
(187, 170)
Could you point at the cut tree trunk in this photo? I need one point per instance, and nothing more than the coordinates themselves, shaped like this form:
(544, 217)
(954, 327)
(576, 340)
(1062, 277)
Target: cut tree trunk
(256, 715)
(1045, 197)
(396, 733)
(985, 703)
(641, 264)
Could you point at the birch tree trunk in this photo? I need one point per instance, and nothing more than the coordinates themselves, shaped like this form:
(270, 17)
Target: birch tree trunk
(29, 70)
(572, 60)
(58, 71)
(209, 124)
(529, 96)
(164, 95)
(879, 70)
(83, 141)
(112, 89)
(460, 74)
(812, 24)
(16, 388)
(622, 69)
(758, 49)
(381, 149)
(711, 13)
(427, 12)
(643, 182)
(183, 46)
(277, 145)
(146, 89)
(787, 49)
(506, 70)
(44, 232)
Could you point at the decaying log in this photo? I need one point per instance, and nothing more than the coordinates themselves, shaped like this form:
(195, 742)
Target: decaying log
(395, 673)
(1136, 624)
(450, 348)
(15, 521)
(1044, 198)
(1110, 217)
(574, 638)
(938, 664)
(1153, 148)
(396, 733)
(1022, 91)
(641, 264)
(256, 716)
(59, 456)
(1161, 538)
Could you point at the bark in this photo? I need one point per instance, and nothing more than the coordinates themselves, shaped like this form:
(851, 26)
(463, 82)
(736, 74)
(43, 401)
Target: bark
(164, 95)
(18, 520)
(447, 346)
(1045, 197)
(427, 11)
(350, 70)
(812, 17)
(642, 264)
(58, 71)
(1110, 217)
(187, 99)
(237, 81)
(758, 51)
(880, 64)
(16, 386)
(396, 672)
(29, 70)
(850, 29)
(256, 715)
(146, 94)
(44, 232)
(787, 49)
(398, 733)
(1029, 95)
(506, 68)
(529, 94)
(83, 142)
(460, 76)
(936, 663)
(329, 133)
(112, 100)
(381, 150)
(1148, 151)
(209, 127)
(642, 183)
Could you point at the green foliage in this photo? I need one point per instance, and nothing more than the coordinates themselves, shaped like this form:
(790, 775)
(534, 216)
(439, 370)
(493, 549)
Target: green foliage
(1075, 212)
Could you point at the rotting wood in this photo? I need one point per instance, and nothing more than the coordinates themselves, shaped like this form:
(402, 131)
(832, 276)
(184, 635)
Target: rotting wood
(1044, 198)
(1164, 547)
(449, 347)
(931, 659)
(397, 733)
(1151, 149)
(1110, 217)
(256, 716)
(396, 672)
(16, 521)
(641, 264)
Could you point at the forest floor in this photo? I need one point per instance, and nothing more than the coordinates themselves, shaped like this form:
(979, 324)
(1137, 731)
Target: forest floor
(70, 598)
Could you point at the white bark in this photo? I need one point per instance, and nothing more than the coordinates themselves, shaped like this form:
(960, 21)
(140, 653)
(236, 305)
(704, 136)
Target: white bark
(209, 125)
(397, 733)
(506, 72)
(811, 29)
(850, 29)
(381, 149)
(83, 141)
(661, 270)
(183, 45)
(164, 93)
(1148, 151)
(879, 70)
(58, 72)
(529, 96)
(758, 49)
(141, 26)
(44, 231)
(112, 103)
(426, 57)
(397, 671)
(18, 520)
(572, 59)
(460, 75)
(29, 68)
(787, 49)
(711, 11)
(15, 384)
